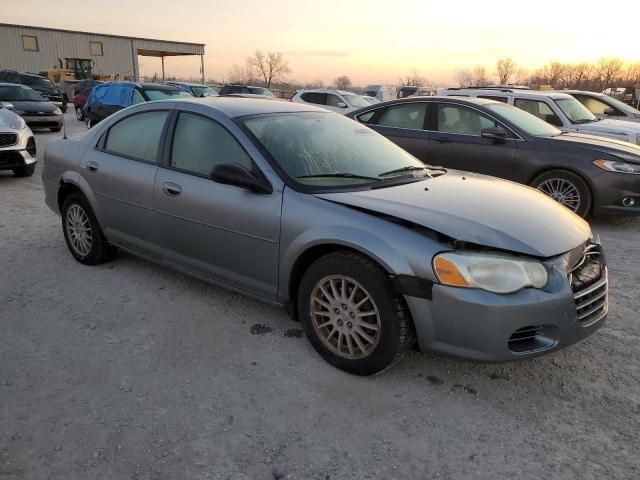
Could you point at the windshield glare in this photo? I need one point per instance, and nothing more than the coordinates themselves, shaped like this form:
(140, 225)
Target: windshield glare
(316, 144)
(204, 91)
(164, 94)
(575, 111)
(525, 121)
(356, 101)
(19, 93)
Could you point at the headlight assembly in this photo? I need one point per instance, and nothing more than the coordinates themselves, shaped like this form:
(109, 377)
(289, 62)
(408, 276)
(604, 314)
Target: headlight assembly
(57, 111)
(491, 272)
(619, 167)
(18, 124)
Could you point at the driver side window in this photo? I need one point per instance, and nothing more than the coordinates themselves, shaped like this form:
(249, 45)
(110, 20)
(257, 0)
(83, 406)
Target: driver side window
(462, 120)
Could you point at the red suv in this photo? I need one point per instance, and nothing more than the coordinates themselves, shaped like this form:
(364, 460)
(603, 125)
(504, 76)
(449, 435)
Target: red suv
(81, 92)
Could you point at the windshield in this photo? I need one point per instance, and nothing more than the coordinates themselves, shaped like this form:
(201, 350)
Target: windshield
(15, 93)
(164, 94)
(525, 121)
(37, 81)
(575, 111)
(614, 102)
(329, 150)
(356, 101)
(260, 91)
(204, 91)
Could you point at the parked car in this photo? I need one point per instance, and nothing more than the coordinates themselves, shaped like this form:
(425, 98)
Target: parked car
(413, 91)
(335, 100)
(45, 87)
(584, 173)
(384, 93)
(107, 98)
(195, 89)
(245, 89)
(371, 100)
(623, 93)
(37, 112)
(559, 109)
(603, 106)
(81, 92)
(17, 145)
(364, 244)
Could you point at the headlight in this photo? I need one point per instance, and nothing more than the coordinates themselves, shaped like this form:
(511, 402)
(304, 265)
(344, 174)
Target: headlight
(18, 124)
(57, 111)
(491, 272)
(620, 167)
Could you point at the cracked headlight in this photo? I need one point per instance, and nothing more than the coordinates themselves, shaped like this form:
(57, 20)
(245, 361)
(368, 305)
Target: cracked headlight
(619, 167)
(492, 272)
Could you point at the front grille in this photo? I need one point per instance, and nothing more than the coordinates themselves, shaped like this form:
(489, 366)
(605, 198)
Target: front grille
(589, 282)
(532, 338)
(8, 139)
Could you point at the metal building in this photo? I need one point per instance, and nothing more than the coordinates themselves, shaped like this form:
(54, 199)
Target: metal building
(35, 49)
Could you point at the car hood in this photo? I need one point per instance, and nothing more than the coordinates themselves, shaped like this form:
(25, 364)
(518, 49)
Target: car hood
(610, 126)
(610, 146)
(478, 209)
(31, 107)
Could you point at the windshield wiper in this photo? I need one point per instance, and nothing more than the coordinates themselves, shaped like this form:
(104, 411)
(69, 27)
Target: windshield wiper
(339, 175)
(408, 168)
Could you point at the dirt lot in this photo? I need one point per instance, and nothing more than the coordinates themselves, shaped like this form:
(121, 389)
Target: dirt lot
(133, 371)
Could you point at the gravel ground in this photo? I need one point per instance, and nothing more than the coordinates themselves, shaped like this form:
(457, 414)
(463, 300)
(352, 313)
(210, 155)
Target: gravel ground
(130, 370)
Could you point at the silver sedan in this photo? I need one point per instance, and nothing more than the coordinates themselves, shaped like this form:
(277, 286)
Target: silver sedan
(369, 248)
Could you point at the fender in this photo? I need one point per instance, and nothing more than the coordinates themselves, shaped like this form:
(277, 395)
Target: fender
(77, 180)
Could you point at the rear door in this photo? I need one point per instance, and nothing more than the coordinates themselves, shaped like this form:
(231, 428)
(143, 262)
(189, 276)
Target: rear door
(456, 141)
(225, 233)
(121, 171)
(403, 124)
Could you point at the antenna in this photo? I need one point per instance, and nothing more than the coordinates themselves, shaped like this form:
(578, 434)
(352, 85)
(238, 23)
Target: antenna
(64, 128)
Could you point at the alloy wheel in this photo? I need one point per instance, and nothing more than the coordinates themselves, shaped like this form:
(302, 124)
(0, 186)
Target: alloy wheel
(79, 230)
(345, 317)
(562, 191)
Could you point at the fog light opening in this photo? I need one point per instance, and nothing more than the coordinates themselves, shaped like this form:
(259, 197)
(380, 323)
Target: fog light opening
(628, 201)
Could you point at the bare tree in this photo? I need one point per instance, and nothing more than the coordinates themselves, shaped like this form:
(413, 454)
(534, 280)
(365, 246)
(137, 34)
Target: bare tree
(315, 84)
(242, 74)
(479, 76)
(464, 78)
(342, 83)
(631, 75)
(413, 79)
(505, 69)
(608, 69)
(521, 77)
(270, 66)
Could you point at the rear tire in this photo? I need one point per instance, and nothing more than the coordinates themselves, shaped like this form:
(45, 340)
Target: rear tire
(567, 188)
(83, 234)
(26, 171)
(88, 122)
(336, 298)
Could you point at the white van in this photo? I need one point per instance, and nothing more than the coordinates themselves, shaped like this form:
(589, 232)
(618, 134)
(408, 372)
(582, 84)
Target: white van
(384, 93)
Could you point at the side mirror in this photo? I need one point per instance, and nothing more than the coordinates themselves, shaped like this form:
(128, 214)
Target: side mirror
(239, 176)
(610, 112)
(494, 133)
(341, 105)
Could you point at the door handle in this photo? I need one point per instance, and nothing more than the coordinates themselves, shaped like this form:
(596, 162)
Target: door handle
(443, 140)
(92, 166)
(171, 189)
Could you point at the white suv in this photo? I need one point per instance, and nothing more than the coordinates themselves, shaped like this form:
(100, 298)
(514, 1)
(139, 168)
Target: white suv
(558, 109)
(334, 100)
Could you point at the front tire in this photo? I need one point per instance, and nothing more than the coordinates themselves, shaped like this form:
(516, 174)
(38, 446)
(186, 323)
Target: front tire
(25, 171)
(82, 232)
(567, 188)
(351, 315)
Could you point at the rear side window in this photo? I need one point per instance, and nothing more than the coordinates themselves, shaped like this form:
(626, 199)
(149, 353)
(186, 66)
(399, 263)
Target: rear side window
(314, 97)
(199, 144)
(462, 120)
(497, 99)
(410, 115)
(539, 109)
(137, 136)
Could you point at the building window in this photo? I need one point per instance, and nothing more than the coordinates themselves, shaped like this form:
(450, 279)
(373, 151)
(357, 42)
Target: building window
(96, 49)
(30, 43)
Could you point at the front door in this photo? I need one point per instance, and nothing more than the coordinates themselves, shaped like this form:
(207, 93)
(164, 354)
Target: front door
(456, 142)
(225, 233)
(121, 171)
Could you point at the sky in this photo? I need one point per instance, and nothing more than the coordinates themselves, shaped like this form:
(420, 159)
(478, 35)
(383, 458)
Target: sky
(369, 41)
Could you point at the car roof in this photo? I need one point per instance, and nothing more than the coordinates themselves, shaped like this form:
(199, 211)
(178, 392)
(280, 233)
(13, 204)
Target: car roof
(507, 91)
(325, 90)
(143, 86)
(583, 92)
(234, 107)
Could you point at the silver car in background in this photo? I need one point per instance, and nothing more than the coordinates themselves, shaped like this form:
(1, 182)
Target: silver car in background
(356, 238)
(17, 145)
